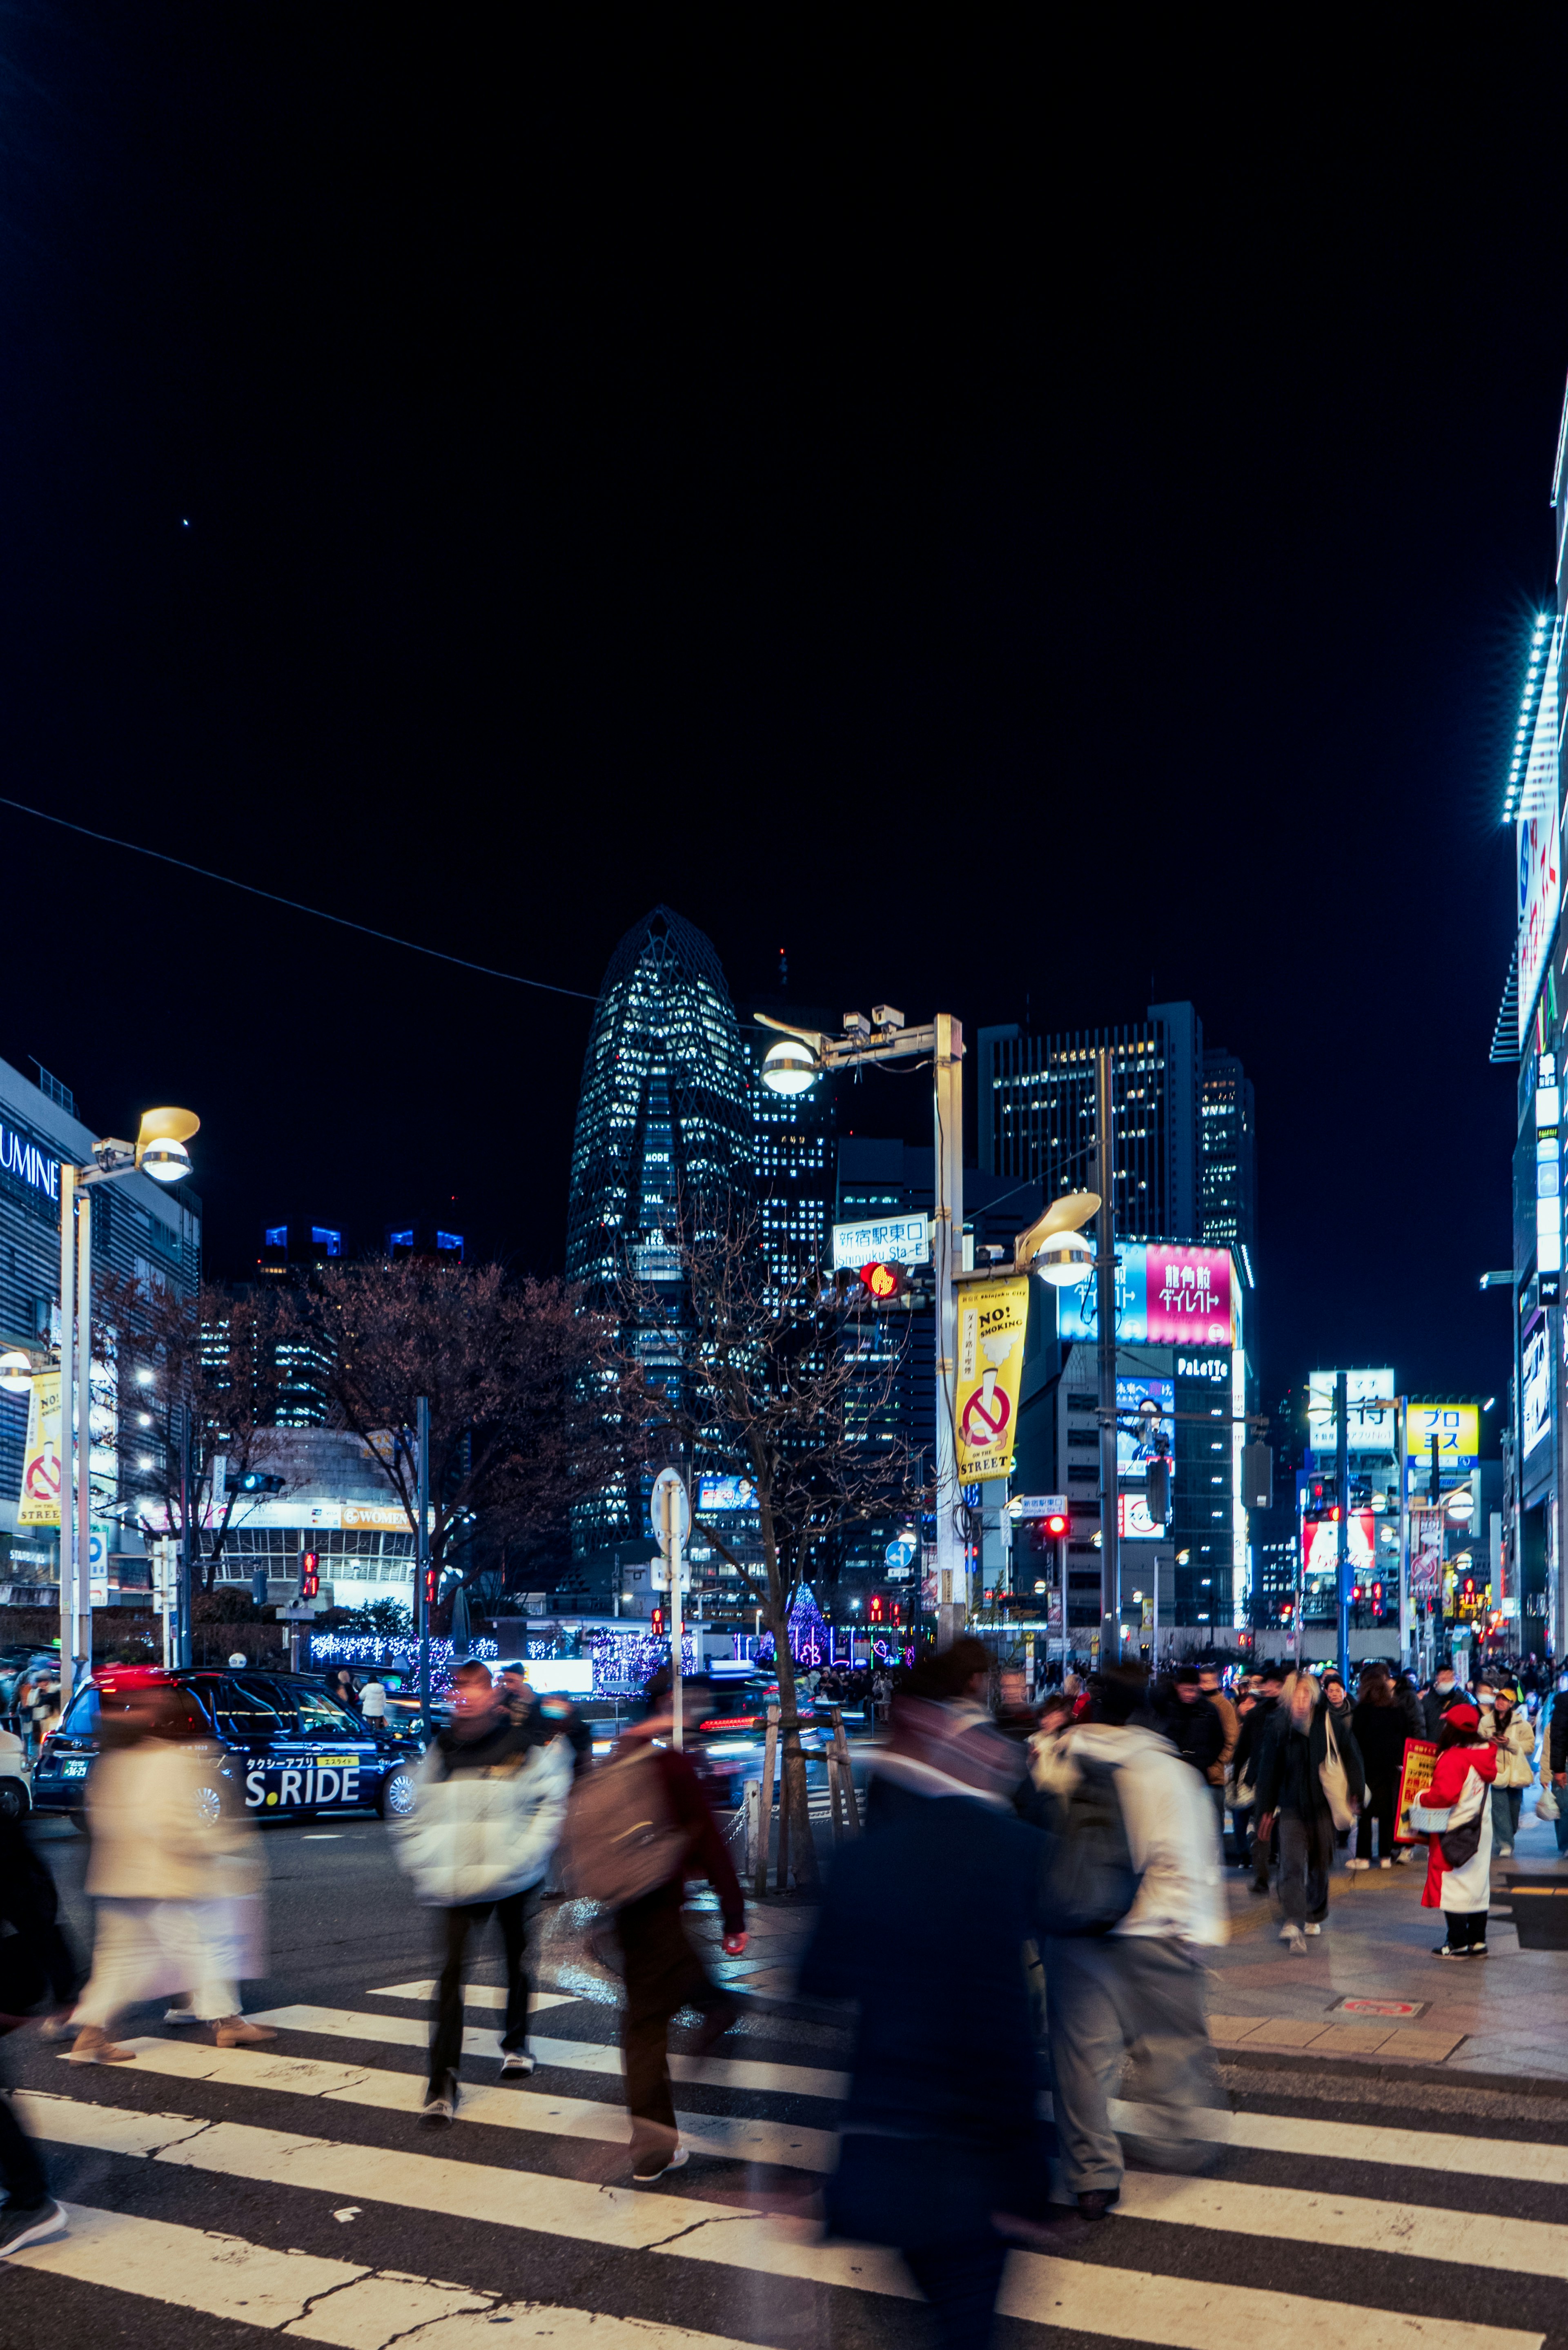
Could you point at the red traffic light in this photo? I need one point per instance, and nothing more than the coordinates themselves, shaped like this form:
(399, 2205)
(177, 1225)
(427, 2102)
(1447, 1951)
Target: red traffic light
(433, 1579)
(659, 1623)
(884, 1281)
(1058, 1522)
(309, 1574)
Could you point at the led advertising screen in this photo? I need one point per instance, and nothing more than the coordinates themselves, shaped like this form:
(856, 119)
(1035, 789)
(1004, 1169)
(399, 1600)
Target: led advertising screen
(1320, 1544)
(1134, 1443)
(715, 1494)
(1168, 1294)
(1535, 1383)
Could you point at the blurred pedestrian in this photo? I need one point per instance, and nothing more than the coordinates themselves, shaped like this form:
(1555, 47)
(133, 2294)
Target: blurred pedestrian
(373, 1703)
(1192, 1723)
(1251, 1738)
(944, 1888)
(1455, 1816)
(35, 1963)
(1436, 1701)
(173, 1869)
(1509, 1727)
(1210, 1687)
(640, 1825)
(1379, 1728)
(490, 1804)
(1137, 1820)
(1292, 1788)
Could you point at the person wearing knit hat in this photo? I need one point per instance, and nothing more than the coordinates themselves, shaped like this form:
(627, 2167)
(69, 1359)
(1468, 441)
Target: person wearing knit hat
(1455, 1816)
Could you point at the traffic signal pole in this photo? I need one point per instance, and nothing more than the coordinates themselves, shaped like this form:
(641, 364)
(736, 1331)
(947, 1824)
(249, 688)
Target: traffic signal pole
(1105, 1314)
(947, 1260)
(1342, 1493)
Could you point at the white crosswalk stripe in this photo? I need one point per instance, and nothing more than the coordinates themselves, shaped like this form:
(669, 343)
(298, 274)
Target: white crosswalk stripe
(731, 2221)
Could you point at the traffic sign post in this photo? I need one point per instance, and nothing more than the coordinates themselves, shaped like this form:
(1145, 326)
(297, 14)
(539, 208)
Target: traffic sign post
(671, 1512)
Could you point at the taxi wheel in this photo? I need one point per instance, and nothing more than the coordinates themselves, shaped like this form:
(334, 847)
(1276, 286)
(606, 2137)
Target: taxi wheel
(209, 1806)
(395, 1798)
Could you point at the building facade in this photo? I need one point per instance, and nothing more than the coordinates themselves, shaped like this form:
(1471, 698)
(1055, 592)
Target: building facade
(1182, 1124)
(664, 1147)
(142, 1231)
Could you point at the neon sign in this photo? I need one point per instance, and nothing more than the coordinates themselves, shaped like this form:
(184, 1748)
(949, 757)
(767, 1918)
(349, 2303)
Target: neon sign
(24, 1159)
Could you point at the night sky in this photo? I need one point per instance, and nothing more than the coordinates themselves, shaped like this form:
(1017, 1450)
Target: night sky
(1022, 531)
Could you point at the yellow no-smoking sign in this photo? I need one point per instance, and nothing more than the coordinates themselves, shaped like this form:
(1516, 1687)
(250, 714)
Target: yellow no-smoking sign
(992, 1319)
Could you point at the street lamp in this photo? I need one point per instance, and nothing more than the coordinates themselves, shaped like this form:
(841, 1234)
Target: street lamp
(791, 1067)
(159, 1151)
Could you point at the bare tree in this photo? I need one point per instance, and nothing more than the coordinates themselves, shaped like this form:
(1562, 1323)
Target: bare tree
(522, 1387)
(787, 1384)
(198, 1385)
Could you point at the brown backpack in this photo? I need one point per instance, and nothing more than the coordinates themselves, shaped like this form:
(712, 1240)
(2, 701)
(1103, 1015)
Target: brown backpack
(620, 1841)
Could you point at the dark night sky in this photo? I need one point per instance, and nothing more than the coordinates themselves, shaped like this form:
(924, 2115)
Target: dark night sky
(1004, 524)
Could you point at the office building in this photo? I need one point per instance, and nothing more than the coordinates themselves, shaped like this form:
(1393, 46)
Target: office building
(1184, 1162)
(664, 1145)
(142, 1231)
(794, 1142)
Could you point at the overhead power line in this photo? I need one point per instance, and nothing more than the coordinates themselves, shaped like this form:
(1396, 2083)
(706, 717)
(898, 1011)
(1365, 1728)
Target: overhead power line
(318, 913)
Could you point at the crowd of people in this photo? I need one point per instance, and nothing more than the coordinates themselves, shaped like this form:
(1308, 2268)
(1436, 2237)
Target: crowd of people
(1060, 1860)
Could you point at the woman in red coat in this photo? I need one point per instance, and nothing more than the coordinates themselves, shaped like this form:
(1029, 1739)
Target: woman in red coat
(1454, 1813)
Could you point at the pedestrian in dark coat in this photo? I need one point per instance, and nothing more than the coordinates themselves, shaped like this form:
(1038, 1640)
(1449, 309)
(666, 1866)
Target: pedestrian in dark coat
(1436, 1701)
(1290, 1786)
(1380, 1727)
(39, 1965)
(1251, 1743)
(942, 1889)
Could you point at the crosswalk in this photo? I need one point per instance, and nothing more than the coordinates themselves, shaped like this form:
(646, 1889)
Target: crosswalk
(287, 2192)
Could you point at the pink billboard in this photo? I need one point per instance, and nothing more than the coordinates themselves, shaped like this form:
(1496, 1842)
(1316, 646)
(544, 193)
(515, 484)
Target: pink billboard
(1187, 1295)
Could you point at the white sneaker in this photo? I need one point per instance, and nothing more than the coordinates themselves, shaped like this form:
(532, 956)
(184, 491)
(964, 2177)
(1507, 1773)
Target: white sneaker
(677, 2160)
(1386, 1863)
(179, 2015)
(1402, 1859)
(1358, 1864)
(515, 2064)
(1293, 1939)
(1505, 1852)
(1312, 1930)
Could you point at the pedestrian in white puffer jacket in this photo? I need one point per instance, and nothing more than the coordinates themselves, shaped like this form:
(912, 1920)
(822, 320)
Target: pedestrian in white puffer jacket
(490, 1801)
(1507, 1726)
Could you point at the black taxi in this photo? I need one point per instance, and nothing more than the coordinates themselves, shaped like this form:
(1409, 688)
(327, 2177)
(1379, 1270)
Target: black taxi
(288, 1747)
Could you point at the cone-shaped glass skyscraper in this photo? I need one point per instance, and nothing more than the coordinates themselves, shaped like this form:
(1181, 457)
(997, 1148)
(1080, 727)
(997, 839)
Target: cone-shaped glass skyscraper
(663, 1141)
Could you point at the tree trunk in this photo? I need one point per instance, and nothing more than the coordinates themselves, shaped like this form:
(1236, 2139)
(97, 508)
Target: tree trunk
(791, 1776)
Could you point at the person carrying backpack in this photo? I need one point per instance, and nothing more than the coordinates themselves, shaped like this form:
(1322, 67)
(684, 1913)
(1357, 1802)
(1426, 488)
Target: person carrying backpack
(640, 1824)
(1132, 1892)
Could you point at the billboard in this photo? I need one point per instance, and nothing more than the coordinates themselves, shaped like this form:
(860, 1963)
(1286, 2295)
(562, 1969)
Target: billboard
(1535, 1387)
(1134, 1522)
(1320, 1544)
(1135, 1444)
(991, 1319)
(1456, 1425)
(714, 1493)
(1372, 1422)
(1168, 1294)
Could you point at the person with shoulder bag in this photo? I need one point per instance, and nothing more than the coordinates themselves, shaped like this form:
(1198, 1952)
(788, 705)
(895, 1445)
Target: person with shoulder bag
(640, 1824)
(1311, 1781)
(1510, 1729)
(1131, 1891)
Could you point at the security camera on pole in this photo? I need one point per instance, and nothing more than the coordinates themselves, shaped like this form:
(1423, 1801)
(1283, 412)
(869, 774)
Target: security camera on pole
(671, 1509)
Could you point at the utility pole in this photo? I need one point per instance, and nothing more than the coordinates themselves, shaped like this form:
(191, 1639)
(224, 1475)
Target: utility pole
(1106, 1308)
(1342, 1493)
(946, 1258)
(67, 1433)
(1407, 1629)
(672, 1551)
(82, 1650)
(422, 1555)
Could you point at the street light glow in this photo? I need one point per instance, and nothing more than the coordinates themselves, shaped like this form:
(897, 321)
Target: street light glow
(1064, 1260)
(16, 1371)
(789, 1067)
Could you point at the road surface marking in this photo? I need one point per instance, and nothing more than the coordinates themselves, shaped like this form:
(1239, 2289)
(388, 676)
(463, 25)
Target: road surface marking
(476, 1995)
(1409, 2149)
(315, 2300)
(1129, 2304)
(735, 2138)
(582, 2055)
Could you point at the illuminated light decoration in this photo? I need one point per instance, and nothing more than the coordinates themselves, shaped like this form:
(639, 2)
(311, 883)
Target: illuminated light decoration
(1537, 842)
(1542, 659)
(1548, 1166)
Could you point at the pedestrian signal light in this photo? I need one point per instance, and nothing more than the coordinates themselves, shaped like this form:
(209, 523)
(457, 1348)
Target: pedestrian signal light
(659, 1623)
(875, 1607)
(309, 1574)
(432, 1581)
(884, 1281)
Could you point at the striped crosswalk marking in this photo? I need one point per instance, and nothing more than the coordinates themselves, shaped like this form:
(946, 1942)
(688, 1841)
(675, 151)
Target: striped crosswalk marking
(476, 1995)
(735, 2139)
(579, 2055)
(727, 2234)
(316, 2300)
(728, 2227)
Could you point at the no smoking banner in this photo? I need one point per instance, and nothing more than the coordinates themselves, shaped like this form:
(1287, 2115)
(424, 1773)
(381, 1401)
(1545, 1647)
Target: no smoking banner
(992, 1318)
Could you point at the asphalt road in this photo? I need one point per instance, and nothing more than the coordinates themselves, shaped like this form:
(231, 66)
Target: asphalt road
(230, 2198)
